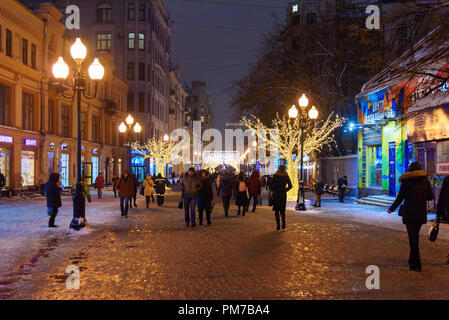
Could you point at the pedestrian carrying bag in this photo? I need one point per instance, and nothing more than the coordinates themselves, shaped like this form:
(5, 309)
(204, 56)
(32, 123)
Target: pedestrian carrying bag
(433, 232)
(49, 211)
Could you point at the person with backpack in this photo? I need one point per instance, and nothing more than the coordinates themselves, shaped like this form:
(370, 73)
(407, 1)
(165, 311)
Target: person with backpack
(225, 190)
(280, 185)
(254, 188)
(53, 194)
(99, 184)
(318, 189)
(415, 191)
(160, 186)
(148, 185)
(242, 197)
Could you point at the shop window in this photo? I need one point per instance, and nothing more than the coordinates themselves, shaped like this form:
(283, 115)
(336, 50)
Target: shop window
(27, 170)
(27, 111)
(104, 13)
(5, 162)
(65, 169)
(94, 168)
(5, 106)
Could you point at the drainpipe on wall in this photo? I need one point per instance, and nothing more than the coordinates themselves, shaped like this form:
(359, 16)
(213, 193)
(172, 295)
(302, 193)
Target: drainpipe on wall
(44, 78)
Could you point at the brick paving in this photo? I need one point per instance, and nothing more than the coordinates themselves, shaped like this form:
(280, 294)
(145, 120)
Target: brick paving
(152, 255)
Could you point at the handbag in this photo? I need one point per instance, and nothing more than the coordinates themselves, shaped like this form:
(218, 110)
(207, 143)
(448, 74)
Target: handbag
(401, 211)
(433, 232)
(49, 211)
(142, 190)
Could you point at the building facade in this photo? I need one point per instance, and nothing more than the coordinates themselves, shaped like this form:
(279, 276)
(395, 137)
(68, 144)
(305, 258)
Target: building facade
(199, 104)
(37, 125)
(137, 35)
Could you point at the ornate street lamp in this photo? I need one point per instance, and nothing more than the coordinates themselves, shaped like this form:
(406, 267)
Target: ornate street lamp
(129, 127)
(96, 72)
(293, 113)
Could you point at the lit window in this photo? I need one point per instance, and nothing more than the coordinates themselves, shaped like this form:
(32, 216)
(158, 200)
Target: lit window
(131, 40)
(103, 42)
(295, 8)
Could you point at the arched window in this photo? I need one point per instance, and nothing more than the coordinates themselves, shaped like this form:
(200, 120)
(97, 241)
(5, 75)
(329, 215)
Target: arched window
(104, 13)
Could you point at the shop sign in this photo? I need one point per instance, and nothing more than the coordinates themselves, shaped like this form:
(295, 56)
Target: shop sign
(5, 139)
(138, 161)
(442, 167)
(52, 145)
(135, 152)
(94, 151)
(30, 142)
(64, 147)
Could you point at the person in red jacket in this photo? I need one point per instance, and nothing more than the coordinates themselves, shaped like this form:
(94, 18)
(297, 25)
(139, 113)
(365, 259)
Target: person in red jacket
(99, 184)
(254, 188)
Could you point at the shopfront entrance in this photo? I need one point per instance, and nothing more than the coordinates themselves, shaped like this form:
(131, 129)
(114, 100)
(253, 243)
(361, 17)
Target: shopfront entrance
(64, 169)
(374, 166)
(27, 168)
(87, 173)
(5, 164)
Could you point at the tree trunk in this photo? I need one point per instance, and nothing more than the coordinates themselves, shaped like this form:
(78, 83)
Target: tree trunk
(293, 174)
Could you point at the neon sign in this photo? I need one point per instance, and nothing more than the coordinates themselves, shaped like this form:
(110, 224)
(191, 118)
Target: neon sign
(30, 142)
(5, 139)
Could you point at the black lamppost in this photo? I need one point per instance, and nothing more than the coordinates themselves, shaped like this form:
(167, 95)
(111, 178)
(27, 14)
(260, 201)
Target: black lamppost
(129, 127)
(293, 113)
(96, 72)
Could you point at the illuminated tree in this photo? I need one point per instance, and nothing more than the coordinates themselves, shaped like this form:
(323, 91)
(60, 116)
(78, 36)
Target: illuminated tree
(283, 139)
(161, 151)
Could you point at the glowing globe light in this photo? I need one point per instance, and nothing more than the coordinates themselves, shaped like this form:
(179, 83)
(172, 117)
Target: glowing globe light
(166, 138)
(122, 128)
(293, 112)
(60, 69)
(78, 50)
(313, 113)
(137, 128)
(303, 101)
(96, 70)
(129, 120)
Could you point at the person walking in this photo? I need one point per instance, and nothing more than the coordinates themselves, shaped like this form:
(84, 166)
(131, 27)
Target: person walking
(342, 184)
(148, 185)
(242, 197)
(53, 194)
(125, 189)
(318, 189)
(190, 186)
(2, 184)
(443, 204)
(415, 191)
(160, 185)
(254, 188)
(115, 180)
(280, 185)
(205, 197)
(225, 190)
(135, 187)
(99, 184)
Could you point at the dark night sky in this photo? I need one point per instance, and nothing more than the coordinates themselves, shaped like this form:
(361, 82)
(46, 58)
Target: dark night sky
(214, 42)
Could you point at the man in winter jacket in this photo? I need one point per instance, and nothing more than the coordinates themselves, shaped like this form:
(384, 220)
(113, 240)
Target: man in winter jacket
(125, 189)
(415, 191)
(254, 188)
(53, 194)
(318, 189)
(190, 186)
(134, 195)
(99, 184)
(160, 185)
(342, 184)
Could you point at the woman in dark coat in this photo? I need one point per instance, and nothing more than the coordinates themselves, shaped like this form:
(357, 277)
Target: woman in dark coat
(280, 185)
(416, 191)
(204, 197)
(242, 198)
(53, 193)
(225, 190)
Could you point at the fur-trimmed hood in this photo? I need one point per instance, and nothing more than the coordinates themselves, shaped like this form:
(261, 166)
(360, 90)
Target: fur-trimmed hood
(413, 175)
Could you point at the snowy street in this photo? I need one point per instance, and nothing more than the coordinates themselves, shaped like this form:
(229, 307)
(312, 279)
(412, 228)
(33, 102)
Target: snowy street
(323, 254)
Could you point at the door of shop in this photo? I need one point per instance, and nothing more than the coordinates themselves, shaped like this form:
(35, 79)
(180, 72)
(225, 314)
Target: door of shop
(87, 173)
(392, 169)
(64, 169)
